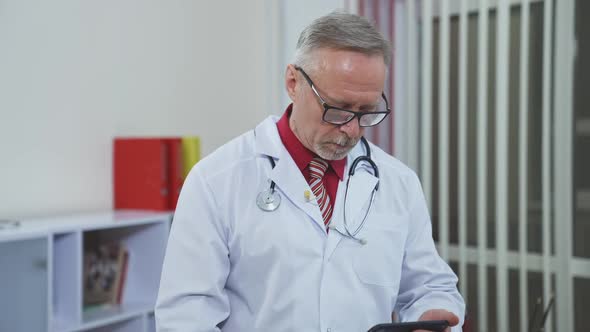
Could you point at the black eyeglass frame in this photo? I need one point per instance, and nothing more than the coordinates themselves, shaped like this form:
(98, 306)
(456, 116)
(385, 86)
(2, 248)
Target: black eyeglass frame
(358, 115)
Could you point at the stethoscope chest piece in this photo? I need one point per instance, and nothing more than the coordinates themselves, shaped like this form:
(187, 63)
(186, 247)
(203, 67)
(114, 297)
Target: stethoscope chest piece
(268, 200)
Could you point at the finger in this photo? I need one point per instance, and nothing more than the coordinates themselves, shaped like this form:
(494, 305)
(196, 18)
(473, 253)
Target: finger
(440, 314)
(452, 319)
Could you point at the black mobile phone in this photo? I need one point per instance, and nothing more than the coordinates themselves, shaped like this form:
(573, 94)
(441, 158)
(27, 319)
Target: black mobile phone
(428, 325)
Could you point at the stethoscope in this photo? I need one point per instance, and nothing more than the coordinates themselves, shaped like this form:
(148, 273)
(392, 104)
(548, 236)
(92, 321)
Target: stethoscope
(269, 200)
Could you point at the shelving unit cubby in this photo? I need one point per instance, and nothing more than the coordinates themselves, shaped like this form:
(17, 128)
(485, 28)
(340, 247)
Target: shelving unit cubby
(41, 274)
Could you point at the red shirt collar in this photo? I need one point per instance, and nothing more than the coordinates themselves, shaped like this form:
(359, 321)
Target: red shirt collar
(300, 154)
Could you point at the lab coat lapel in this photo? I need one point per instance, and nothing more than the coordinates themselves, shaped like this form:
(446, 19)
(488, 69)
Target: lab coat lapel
(360, 185)
(285, 174)
(291, 182)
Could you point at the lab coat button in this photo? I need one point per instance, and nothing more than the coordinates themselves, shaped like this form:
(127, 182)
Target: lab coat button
(329, 330)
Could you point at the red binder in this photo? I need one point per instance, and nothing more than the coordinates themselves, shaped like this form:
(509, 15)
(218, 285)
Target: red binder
(140, 167)
(175, 170)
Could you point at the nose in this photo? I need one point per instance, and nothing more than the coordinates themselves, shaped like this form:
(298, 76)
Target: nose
(352, 129)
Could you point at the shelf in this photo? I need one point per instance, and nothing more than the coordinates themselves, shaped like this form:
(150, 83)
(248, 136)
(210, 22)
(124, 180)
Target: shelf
(96, 317)
(67, 286)
(106, 316)
(128, 325)
(55, 246)
(31, 228)
(62, 325)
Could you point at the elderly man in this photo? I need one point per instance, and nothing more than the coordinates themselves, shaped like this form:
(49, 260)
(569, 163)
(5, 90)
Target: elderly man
(301, 224)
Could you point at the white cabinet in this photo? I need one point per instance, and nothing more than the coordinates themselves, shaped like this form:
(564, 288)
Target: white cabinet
(41, 272)
(23, 283)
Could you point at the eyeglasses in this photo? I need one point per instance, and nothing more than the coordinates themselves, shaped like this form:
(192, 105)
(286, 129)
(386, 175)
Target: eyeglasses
(339, 116)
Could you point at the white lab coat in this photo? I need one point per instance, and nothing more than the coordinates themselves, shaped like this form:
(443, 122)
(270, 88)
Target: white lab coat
(230, 266)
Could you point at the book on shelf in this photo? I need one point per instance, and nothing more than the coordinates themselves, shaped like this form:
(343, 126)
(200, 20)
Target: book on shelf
(123, 277)
(105, 272)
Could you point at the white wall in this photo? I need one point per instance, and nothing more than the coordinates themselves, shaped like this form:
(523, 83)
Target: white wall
(73, 74)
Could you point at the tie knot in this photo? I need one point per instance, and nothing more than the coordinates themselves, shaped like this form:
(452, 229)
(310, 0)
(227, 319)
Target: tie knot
(317, 167)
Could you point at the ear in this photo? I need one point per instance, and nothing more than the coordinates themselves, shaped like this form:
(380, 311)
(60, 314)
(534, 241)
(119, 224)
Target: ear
(291, 81)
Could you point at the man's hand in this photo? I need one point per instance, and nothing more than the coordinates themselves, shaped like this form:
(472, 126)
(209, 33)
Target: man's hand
(440, 314)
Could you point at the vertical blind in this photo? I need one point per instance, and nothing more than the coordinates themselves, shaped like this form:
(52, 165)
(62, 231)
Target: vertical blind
(472, 84)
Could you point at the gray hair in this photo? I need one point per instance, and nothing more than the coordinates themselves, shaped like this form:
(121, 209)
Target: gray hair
(341, 31)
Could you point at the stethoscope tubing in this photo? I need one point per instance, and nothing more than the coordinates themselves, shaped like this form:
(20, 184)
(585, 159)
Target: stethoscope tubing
(269, 200)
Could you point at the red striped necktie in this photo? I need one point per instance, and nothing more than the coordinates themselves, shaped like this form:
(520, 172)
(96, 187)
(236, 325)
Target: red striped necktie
(317, 169)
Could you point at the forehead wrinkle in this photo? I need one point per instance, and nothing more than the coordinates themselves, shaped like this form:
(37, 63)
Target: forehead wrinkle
(348, 96)
(350, 84)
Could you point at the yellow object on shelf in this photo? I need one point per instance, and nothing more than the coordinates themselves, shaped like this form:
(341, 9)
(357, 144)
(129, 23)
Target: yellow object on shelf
(191, 151)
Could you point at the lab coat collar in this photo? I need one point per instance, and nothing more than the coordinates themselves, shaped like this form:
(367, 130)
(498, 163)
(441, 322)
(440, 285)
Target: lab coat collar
(267, 139)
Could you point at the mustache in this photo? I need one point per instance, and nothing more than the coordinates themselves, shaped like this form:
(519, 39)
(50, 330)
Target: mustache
(344, 140)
